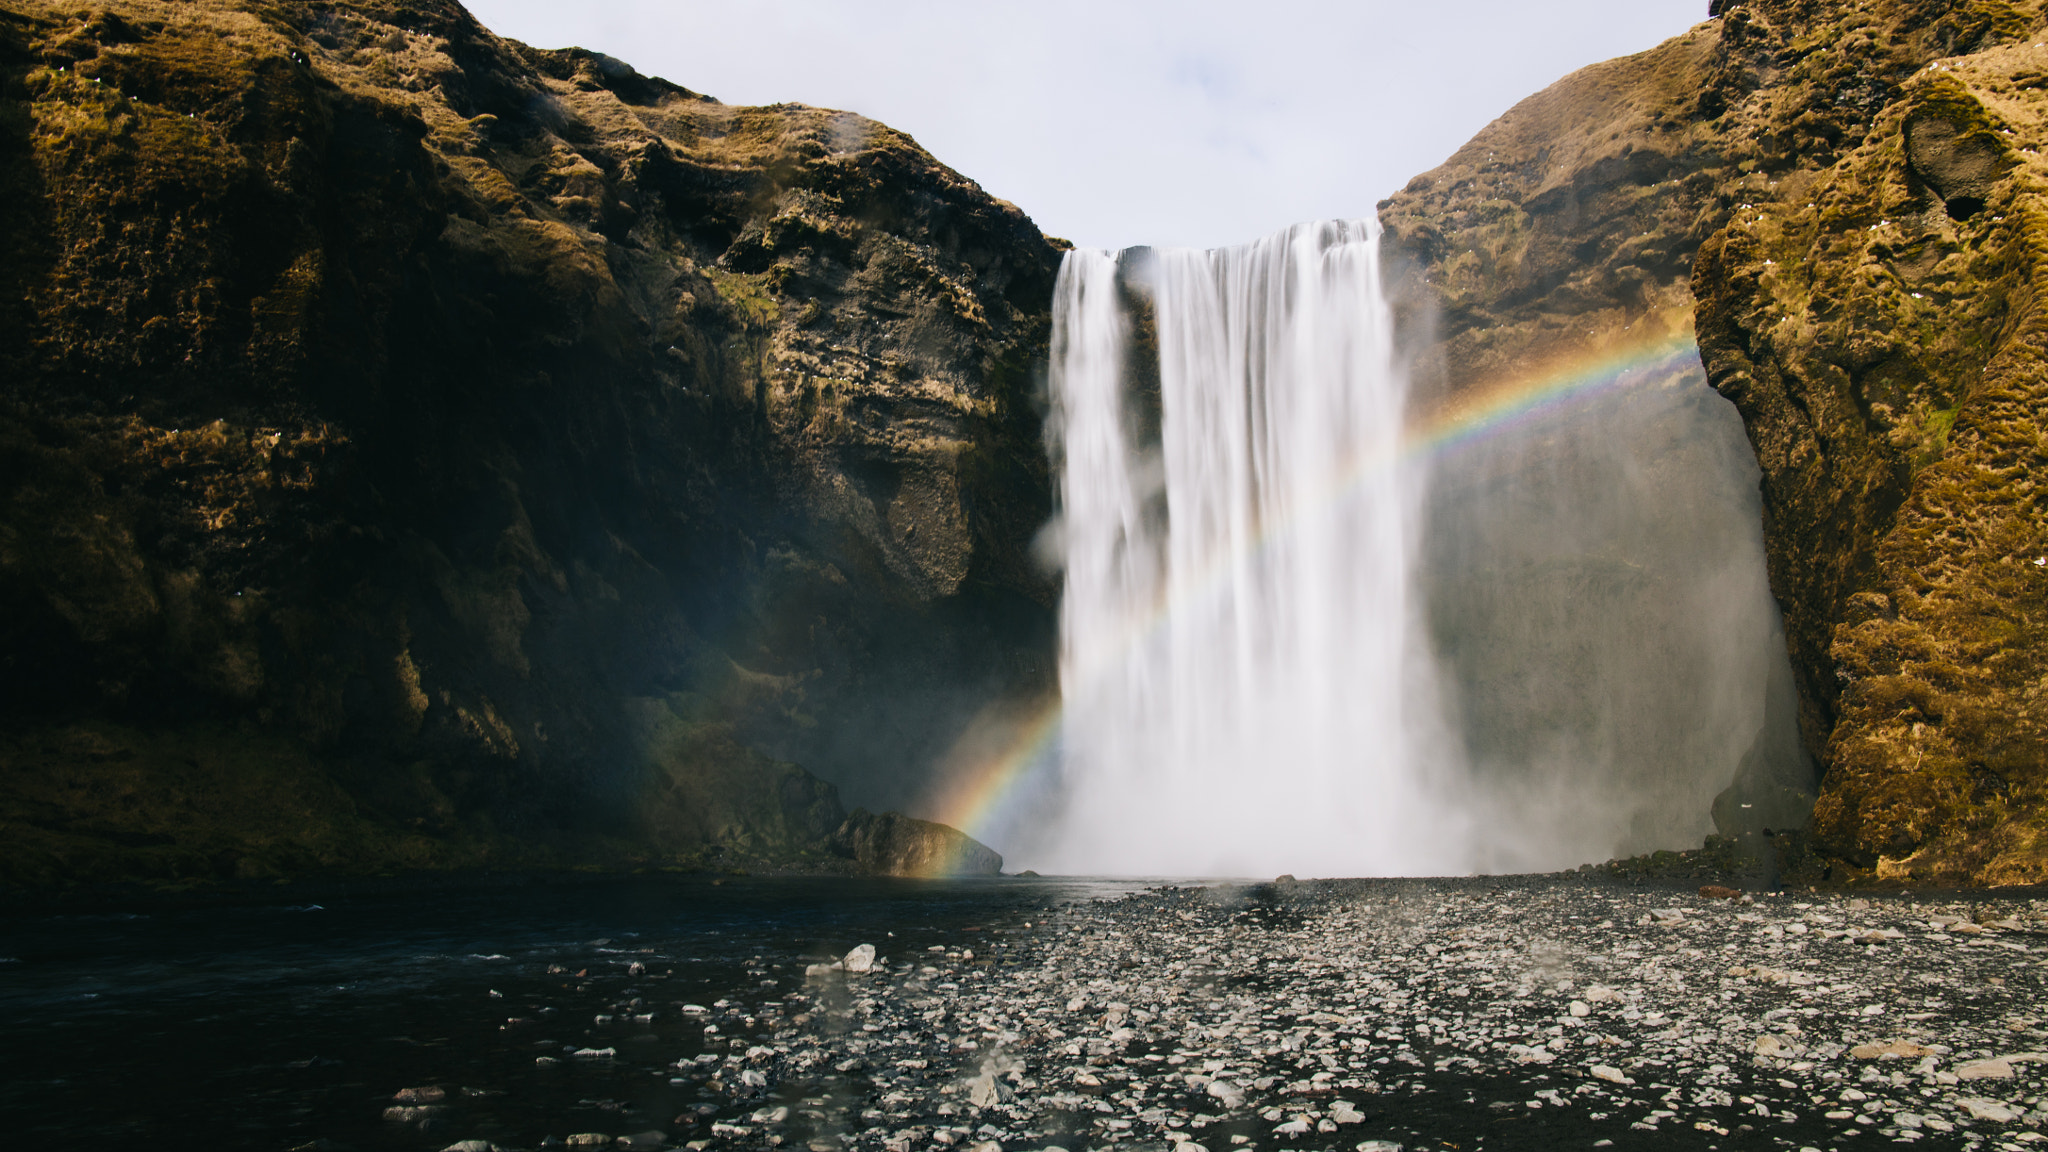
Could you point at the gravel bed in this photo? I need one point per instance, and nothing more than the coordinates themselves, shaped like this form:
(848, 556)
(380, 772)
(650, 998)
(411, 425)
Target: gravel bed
(1531, 1012)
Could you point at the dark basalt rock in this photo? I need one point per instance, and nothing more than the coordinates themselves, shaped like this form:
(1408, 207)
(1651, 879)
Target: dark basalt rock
(421, 449)
(897, 845)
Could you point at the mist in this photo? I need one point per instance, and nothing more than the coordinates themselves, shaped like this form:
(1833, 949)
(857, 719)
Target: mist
(1604, 634)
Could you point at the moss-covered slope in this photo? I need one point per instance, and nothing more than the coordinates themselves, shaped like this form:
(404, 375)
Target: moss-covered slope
(1878, 320)
(520, 457)
(1844, 199)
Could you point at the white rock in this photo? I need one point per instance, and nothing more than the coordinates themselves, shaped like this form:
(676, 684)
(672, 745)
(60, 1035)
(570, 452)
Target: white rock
(1981, 1109)
(1343, 1112)
(588, 1140)
(1231, 1095)
(471, 1146)
(1379, 1146)
(861, 959)
(431, 1094)
(1609, 1073)
(1996, 1069)
(1580, 1009)
(1296, 1127)
(775, 1115)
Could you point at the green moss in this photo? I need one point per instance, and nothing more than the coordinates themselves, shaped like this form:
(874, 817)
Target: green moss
(1934, 432)
(748, 295)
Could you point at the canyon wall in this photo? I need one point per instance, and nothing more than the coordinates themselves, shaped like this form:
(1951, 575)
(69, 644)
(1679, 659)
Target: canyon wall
(1843, 202)
(421, 449)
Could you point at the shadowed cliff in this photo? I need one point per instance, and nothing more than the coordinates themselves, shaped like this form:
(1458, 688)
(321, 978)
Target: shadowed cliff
(420, 449)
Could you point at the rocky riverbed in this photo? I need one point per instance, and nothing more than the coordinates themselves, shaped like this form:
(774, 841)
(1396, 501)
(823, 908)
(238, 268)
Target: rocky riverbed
(1368, 1015)
(1360, 1015)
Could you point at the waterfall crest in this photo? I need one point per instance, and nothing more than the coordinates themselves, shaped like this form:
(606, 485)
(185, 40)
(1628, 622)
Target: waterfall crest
(1242, 666)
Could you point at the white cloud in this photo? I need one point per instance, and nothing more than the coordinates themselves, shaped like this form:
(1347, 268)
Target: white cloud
(1116, 122)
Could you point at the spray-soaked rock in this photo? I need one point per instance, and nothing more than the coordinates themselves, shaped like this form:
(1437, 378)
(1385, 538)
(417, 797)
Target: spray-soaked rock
(896, 845)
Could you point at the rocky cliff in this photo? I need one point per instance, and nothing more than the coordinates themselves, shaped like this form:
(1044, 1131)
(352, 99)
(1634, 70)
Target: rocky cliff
(423, 449)
(1843, 200)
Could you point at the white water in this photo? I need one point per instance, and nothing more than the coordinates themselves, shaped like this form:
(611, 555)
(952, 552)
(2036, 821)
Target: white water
(1245, 682)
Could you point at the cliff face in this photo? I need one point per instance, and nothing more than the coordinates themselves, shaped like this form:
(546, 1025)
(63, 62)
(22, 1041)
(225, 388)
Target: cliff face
(1594, 563)
(1842, 200)
(467, 452)
(1878, 321)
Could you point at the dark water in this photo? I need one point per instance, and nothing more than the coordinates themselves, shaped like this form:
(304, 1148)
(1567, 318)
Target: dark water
(275, 1025)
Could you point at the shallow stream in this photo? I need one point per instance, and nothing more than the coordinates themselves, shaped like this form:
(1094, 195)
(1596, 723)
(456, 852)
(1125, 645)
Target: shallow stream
(276, 1024)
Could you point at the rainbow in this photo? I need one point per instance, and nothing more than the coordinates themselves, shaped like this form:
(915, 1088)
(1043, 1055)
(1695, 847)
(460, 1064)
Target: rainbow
(987, 788)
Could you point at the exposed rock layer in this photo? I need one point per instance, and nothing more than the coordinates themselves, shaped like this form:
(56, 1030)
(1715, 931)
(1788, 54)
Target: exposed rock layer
(1856, 192)
(533, 451)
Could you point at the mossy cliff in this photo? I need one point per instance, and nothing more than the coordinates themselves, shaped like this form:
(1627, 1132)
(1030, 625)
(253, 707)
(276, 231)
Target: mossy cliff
(419, 449)
(1845, 202)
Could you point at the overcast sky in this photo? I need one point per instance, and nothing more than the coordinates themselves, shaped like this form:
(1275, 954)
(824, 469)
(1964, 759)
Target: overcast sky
(1119, 122)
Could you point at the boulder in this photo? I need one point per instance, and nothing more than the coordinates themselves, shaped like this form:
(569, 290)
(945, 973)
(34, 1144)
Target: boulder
(897, 845)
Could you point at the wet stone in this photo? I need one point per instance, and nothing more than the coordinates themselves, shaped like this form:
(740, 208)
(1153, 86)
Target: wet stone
(1361, 1015)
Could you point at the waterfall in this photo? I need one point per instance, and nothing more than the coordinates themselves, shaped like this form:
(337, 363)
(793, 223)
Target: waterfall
(1245, 685)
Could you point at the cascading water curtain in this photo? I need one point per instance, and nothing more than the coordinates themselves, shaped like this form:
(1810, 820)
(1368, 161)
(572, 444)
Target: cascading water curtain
(1245, 686)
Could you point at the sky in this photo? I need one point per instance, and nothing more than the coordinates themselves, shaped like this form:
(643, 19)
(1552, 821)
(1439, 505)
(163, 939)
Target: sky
(1121, 122)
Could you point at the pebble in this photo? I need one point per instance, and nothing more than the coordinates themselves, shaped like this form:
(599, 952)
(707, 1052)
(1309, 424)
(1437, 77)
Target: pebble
(1990, 1110)
(1373, 1015)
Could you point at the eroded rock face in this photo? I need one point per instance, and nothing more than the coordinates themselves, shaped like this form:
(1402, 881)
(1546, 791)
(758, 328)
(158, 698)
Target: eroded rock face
(1853, 188)
(1877, 321)
(521, 440)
